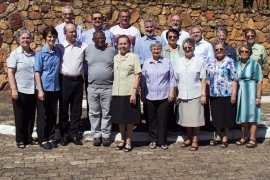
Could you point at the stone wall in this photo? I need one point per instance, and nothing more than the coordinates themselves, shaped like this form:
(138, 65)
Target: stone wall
(36, 15)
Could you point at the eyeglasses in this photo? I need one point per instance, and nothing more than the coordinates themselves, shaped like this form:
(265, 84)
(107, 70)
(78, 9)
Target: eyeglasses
(170, 37)
(220, 49)
(187, 48)
(95, 18)
(250, 36)
(124, 17)
(174, 20)
(67, 14)
(244, 52)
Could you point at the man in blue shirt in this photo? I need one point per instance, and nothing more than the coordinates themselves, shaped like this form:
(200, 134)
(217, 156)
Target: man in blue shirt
(142, 47)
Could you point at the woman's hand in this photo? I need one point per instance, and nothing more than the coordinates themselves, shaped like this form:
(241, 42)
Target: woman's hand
(171, 96)
(203, 99)
(41, 95)
(233, 99)
(14, 94)
(176, 101)
(133, 99)
(258, 101)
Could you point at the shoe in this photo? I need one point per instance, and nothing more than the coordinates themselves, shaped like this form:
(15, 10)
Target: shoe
(46, 145)
(194, 148)
(118, 147)
(215, 142)
(251, 145)
(224, 144)
(106, 142)
(64, 141)
(20, 145)
(127, 149)
(153, 145)
(242, 141)
(164, 147)
(184, 144)
(34, 142)
(76, 141)
(53, 144)
(80, 135)
(96, 142)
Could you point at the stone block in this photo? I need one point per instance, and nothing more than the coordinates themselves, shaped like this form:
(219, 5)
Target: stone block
(24, 13)
(162, 20)
(210, 15)
(3, 81)
(8, 36)
(229, 22)
(23, 5)
(45, 8)
(3, 24)
(34, 15)
(260, 37)
(3, 7)
(224, 16)
(135, 16)
(115, 15)
(186, 19)
(154, 10)
(249, 25)
(77, 4)
(11, 7)
(49, 15)
(257, 18)
(41, 28)
(15, 21)
(29, 25)
(259, 25)
(106, 11)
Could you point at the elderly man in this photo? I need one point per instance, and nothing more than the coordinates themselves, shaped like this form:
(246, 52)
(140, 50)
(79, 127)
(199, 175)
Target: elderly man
(176, 23)
(125, 28)
(100, 80)
(142, 47)
(72, 84)
(222, 34)
(67, 15)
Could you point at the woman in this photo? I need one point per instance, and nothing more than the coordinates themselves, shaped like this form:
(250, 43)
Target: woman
(158, 89)
(190, 74)
(249, 95)
(20, 65)
(222, 77)
(47, 62)
(125, 98)
(173, 52)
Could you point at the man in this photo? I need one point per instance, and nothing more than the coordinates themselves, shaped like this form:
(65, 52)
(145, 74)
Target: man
(176, 23)
(142, 47)
(100, 80)
(125, 28)
(67, 15)
(72, 84)
(205, 51)
(222, 34)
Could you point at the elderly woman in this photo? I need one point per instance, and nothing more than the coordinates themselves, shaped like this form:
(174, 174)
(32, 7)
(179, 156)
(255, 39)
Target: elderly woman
(125, 98)
(20, 65)
(222, 77)
(249, 95)
(158, 89)
(47, 62)
(173, 52)
(190, 75)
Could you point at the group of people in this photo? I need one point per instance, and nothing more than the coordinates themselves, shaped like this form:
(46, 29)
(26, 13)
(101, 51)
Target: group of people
(177, 76)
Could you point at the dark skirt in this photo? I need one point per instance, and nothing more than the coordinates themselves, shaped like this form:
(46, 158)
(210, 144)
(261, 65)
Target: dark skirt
(223, 112)
(125, 113)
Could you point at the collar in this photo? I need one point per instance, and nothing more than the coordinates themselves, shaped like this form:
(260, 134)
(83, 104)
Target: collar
(46, 49)
(66, 44)
(159, 61)
(153, 38)
(168, 49)
(255, 46)
(20, 49)
(125, 57)
(192, 58)
(93, 30)
(123, 27)
(200, 42)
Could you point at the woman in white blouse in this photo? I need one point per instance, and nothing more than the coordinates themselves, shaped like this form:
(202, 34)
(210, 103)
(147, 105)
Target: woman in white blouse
(190, 75)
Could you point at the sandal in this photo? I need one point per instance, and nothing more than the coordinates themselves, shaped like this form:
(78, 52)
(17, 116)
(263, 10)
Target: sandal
(128, 149)
(153, 145)
(118, 147)
(184, 144)
(164, 147)
(20, 145)
(34, 142)
(224, 144)
(194, 148)
(215, 142)
(241, 142)
(250, 145)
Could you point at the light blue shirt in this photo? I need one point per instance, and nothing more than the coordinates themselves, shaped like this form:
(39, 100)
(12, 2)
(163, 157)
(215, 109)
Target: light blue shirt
(204, 50)
(24, 74)
(47, 63)
(61, 36)
(142, 47)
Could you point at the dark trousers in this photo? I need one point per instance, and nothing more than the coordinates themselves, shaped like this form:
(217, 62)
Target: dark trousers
(85, 88)
(158, 115)
(72, 94)
(172, 116)
(24, 111)
(47, 115)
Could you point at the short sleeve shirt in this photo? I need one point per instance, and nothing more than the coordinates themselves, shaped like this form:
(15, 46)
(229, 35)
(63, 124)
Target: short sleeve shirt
(124, 74)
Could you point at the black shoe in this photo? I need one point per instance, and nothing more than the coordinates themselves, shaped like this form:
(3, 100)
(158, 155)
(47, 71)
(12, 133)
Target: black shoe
(106, 141)
(53, 144)
(96, 142)
(64, 141)
(46, 145)
(76, 141)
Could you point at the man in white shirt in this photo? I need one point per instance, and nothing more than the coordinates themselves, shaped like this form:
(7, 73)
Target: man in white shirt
(71, 69)
(126, 28)
(176, 23)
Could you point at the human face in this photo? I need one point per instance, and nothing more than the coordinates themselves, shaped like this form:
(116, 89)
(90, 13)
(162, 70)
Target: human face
(50, 39)
(172, 38)
(156, 52)
(25, 40)
(149, 29)
(67, 15)
(176, 22)
(188, 49)
(123, 45)
(71, 33)
(250, 37)
(244, 53)
(99, 40)
(196, 34)
(221, 36)
(124, 19)
(97, 19)
(220, 51)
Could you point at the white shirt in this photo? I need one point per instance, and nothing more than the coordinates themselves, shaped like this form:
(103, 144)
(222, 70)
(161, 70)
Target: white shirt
(182, 36)
(61, 36)
(188, 76)
(72, 58)
(204, 50)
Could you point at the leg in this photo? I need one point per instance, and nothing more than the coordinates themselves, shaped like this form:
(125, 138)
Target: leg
(225, 138)
(41, 125)
(60, 106)
(105, 101)
(162, 116)
(218, 138)
(244, 138)
(146, 115)
(128, 146)
(85, 88)
(195, 141)
(253, 129)
(218, 134)
(153, 122)
(121, 145)
(31, 115)
(51, 115)
(189, 137)
(171, 119)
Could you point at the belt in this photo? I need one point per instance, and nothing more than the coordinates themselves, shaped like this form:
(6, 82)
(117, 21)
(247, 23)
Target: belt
(73, 78)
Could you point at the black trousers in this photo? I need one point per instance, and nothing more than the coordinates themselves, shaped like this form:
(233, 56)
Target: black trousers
(72, 94)
(85, 88)
(172, 116)
(24, 111)
(158, 115)
(47, 115)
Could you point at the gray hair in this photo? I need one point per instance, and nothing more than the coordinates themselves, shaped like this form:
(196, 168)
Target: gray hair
(196, 26)
(155, 43)
(178, 16)
(150, 21)
(22, 32)
(245, 46)
(222, 29)
(67, 7)
(217, 43)
(189, 41)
